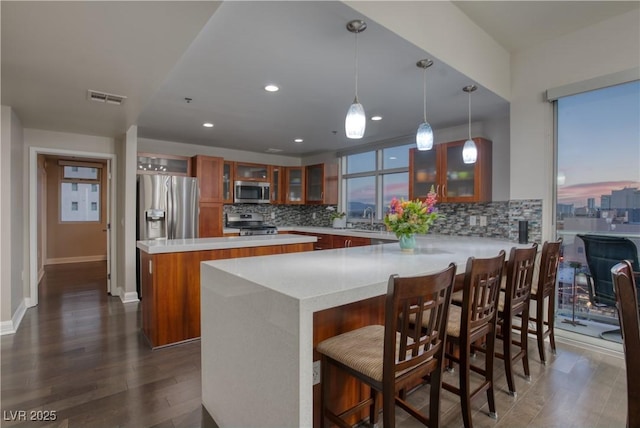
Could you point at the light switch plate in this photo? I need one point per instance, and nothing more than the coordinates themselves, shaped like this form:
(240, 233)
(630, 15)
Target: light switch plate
(472, 220)
(316, 372)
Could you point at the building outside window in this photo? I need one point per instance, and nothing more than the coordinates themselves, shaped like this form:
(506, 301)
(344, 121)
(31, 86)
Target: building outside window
(598, 193)
(80, 194)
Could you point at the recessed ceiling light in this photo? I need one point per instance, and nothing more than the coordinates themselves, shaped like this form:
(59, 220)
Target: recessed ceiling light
(392, 158)
(298, 140)
(271, 88)
(208, 125)
(376, 118)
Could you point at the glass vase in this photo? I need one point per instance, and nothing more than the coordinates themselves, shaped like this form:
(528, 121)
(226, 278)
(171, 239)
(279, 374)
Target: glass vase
(407, 242)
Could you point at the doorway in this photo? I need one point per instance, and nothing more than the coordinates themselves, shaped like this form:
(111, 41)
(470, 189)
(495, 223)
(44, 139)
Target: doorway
(70, 214)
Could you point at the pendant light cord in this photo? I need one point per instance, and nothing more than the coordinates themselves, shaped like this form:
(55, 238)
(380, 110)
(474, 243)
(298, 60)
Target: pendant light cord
(469, 114)
(425, 95)
(356, 57)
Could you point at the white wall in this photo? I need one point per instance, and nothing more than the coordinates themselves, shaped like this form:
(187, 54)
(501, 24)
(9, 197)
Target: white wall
(148, 145)
(607, 47)
(444, 31)
(498, 132)
(128, 217)
(12, 229)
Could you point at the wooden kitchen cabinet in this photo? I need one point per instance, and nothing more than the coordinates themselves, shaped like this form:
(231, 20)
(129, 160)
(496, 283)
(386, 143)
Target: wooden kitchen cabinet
(452, 179)
(328, 241)
(340, 241)
(227, 182)
(277, 184)
(211, 219)
(321, 184)
(294, 185)
(170, 284)
(153, 163)
(251, 172)
(209, 171)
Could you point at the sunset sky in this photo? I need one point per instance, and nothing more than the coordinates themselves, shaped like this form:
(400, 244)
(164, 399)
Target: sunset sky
(598, 143)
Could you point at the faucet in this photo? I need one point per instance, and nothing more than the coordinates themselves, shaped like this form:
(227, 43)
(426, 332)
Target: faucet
(364, 214)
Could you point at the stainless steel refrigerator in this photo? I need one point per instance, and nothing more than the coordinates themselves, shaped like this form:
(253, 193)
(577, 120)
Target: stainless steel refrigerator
(167, 207)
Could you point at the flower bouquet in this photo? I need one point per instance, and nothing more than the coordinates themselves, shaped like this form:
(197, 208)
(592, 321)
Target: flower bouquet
(408, 218)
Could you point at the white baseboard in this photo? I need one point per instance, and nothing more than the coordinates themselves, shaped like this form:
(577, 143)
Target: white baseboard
(129, 297)
(10, 327)
(82, 259)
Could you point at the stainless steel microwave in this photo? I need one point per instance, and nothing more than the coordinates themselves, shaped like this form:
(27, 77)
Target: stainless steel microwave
(252, 192)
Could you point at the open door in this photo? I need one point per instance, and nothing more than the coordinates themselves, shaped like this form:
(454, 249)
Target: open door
(108, 228)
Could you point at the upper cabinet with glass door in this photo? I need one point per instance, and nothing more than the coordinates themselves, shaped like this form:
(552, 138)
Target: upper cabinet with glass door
(423, 167)
(322, 183)
(277, 184)
(151, 163)
(295, 185)
(451, 178)
(251, 172)
(227, 182)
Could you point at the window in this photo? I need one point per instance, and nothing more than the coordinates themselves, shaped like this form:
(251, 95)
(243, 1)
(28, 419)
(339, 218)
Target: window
(80, 194)
(371, 179)
(598, 190)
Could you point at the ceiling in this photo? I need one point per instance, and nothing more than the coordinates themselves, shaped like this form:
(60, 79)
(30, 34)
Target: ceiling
(222, 55)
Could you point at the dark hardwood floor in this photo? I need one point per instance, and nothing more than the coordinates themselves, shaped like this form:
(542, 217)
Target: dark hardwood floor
(80, 353)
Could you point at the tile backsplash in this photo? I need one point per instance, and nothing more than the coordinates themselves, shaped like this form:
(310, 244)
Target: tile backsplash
(501, 217)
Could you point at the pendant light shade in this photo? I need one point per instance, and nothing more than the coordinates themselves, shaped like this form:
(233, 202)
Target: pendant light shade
(356, 120)
(424, 136)
(469, 150)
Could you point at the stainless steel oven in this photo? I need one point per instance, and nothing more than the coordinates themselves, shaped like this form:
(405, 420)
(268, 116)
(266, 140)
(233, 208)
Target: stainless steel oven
(252, 192)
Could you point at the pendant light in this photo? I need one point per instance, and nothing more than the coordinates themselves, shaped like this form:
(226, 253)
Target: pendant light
(424, 136)
(356, 120)
(469, 150)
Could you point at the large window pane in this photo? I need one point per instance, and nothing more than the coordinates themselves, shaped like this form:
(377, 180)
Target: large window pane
(394, 186)
(597, 191)
(396, 157)
(79, 202)
(361, 194)
(362, 162)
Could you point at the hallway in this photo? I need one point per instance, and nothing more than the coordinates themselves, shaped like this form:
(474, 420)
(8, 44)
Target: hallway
(80, 354)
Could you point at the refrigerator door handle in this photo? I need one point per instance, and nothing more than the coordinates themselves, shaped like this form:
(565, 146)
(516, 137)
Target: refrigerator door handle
(169, 225)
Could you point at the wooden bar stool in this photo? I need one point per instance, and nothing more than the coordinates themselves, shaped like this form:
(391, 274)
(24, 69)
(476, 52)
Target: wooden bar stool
(395, 357)
(627, 303)
(475, 321)
(544, 287)
(514, 302)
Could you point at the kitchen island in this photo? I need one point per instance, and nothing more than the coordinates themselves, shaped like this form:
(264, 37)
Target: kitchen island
(265, 315)
(170, 278)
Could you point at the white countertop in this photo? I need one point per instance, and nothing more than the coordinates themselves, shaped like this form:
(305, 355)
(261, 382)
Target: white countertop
(329, 278)
(160, 246)
(277, 296)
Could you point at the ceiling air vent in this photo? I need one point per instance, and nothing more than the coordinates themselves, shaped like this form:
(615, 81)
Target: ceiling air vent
(273, 150)
(104, 97)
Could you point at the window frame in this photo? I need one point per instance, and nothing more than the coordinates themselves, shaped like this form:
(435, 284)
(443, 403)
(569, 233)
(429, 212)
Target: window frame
(97, 182)
(378, 173)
